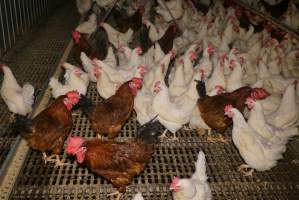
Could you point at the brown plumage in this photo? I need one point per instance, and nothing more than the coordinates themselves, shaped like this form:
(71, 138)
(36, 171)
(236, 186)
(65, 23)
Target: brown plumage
(107, 117)
(117, 162)
(49, 129)
(212, 107)
(166, 41)
(82, 45)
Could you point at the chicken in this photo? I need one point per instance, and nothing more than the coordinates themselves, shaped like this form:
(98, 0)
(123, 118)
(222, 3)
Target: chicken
(115, 37)
(166, 41)
(276, 10)
(194, 188)
(83, 6)
(258, 122)
(133, 22)
(18, 99)
(257, 152)
(138, 196)
(75, 79)
(175, 7)
(211, 108)
(117, 162)
(287, 114)
(234, 81)
(107, 117)
(89, 26)
(82, 45)
(56, 119)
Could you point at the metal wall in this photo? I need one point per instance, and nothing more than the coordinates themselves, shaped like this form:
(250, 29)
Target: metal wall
(17, 17)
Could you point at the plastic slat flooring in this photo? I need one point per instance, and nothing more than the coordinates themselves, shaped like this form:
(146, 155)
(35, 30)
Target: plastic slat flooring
(36, 59)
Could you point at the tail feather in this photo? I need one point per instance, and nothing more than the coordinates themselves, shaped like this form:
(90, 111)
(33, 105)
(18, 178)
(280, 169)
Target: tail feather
(200, 165)
(150, 131)
(201, 88)
(28, 94)
(22, 125)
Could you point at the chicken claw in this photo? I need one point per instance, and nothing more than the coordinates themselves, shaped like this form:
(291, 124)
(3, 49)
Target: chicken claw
(164, 136)
(215, 139)
(55, 160)
(187, 128)
(117, 194)
(200, 132)
(242, 169)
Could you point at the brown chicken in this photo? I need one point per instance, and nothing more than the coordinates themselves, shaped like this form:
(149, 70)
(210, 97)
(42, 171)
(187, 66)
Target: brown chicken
(117, 162)
(82, 45)
(48, 130)
(107, 117)
(166, 41)
(211, 107)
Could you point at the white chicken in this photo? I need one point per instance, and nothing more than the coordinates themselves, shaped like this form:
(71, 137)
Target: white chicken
(75, 79)
(178, 85)
(18, 99)
(138, 196)
(194, 188)
(234, 80)
(257, 152)
(115, 37)
(175, 6)
(258, 122)
(287, 114)
(89, 26)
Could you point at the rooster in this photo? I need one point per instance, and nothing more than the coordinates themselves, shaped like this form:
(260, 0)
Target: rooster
(107, 117)
(211, 107)
(18, 99)
(49, 129)
(117, 162)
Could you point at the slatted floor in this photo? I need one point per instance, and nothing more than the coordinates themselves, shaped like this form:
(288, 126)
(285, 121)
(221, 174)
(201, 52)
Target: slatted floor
(171, 158)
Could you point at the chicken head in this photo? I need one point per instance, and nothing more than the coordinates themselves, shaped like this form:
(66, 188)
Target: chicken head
(72, 98)
(76, 36)
(250, 102)
(75, 146)
(228, 111)
(175, 184)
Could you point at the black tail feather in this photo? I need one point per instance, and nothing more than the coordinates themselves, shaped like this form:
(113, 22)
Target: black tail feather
(150, 131)
(201, 88)
(86, 104)
(21, 125)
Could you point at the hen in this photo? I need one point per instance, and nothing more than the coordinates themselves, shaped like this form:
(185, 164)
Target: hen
(195, 188)
(18, 99)
(211, 107)
(257, 152)
(166, 41)
(107, 117)
(56, 119)
(82, 45)
(117, 162)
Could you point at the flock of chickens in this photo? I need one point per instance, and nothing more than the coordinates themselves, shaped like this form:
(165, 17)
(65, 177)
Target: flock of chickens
(196, 68)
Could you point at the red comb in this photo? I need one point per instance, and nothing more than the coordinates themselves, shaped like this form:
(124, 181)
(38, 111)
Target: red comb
(76, 36)
(259, 93)
(228, 108)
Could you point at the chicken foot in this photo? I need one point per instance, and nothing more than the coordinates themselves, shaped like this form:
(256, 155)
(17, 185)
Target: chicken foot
(244, 169)
(164, 136)
(58, 162)
(117, 194)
